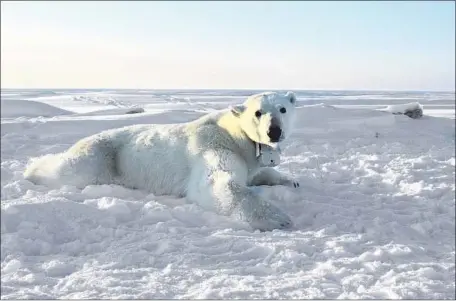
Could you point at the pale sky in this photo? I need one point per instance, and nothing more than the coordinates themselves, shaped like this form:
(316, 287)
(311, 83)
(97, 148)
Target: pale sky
(372, 45)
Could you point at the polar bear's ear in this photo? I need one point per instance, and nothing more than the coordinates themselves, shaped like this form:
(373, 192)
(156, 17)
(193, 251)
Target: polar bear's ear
(237, 110)
(291, 96)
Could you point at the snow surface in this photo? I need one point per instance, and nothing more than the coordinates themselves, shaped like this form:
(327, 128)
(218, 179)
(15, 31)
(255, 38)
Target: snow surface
(375, 214)
(22, 108)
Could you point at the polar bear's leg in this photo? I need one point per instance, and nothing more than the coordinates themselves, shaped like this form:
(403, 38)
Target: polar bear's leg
(269, 176)
(222, 178)
(89, 161)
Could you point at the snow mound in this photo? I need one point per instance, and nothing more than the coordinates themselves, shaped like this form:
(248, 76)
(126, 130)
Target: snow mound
(413, 109)
(14, 108)
(402, 108)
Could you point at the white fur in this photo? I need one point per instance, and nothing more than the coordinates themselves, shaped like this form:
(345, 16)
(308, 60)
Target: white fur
(210, 160)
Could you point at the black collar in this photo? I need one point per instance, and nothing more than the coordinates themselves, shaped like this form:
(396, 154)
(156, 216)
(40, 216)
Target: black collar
(257, 150)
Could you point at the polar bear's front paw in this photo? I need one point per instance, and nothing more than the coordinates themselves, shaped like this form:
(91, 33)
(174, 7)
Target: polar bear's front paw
(290, 183)
(273, 219)
(268, 217)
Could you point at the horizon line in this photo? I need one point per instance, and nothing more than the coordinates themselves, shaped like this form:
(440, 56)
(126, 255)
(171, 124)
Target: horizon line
(237, 89)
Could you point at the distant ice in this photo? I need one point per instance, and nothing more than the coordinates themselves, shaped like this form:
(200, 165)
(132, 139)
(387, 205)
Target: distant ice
(120, 111)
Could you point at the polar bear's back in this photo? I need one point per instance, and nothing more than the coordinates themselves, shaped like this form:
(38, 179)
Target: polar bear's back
(155, 159)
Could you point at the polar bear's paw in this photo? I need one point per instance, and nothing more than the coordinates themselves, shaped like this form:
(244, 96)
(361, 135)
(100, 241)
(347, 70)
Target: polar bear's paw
(270, 219)
(290, 182)
(265, 217)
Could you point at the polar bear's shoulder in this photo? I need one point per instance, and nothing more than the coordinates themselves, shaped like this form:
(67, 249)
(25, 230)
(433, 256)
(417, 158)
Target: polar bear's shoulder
(207, 122)
(210, 118)
(213, 131)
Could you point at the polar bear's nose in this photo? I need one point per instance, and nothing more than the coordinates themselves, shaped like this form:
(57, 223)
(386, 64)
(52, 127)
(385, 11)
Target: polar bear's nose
(274, 133)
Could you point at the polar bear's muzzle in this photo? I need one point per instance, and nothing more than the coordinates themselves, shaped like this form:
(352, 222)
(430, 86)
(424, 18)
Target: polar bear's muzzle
(275, 131)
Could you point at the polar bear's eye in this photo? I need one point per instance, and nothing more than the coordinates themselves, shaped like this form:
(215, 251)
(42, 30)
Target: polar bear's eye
(283, 110)
(258, 114)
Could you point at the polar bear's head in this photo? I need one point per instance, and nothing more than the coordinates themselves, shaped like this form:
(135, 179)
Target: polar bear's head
(268, 117)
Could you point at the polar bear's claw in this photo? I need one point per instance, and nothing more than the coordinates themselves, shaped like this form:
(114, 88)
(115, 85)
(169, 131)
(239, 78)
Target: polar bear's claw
(291, 183)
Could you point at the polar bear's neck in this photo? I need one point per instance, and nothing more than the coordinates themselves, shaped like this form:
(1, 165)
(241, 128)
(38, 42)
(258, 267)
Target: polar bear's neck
(230, 124)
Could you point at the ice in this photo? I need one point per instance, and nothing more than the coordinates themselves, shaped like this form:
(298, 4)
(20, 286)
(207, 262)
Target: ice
(374, 216)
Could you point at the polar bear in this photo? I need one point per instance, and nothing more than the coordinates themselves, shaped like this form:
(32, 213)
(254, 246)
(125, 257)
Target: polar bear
(211, 161)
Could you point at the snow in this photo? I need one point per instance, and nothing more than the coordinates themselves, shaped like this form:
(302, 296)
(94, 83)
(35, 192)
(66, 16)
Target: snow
(22, 108)
(374, 215)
